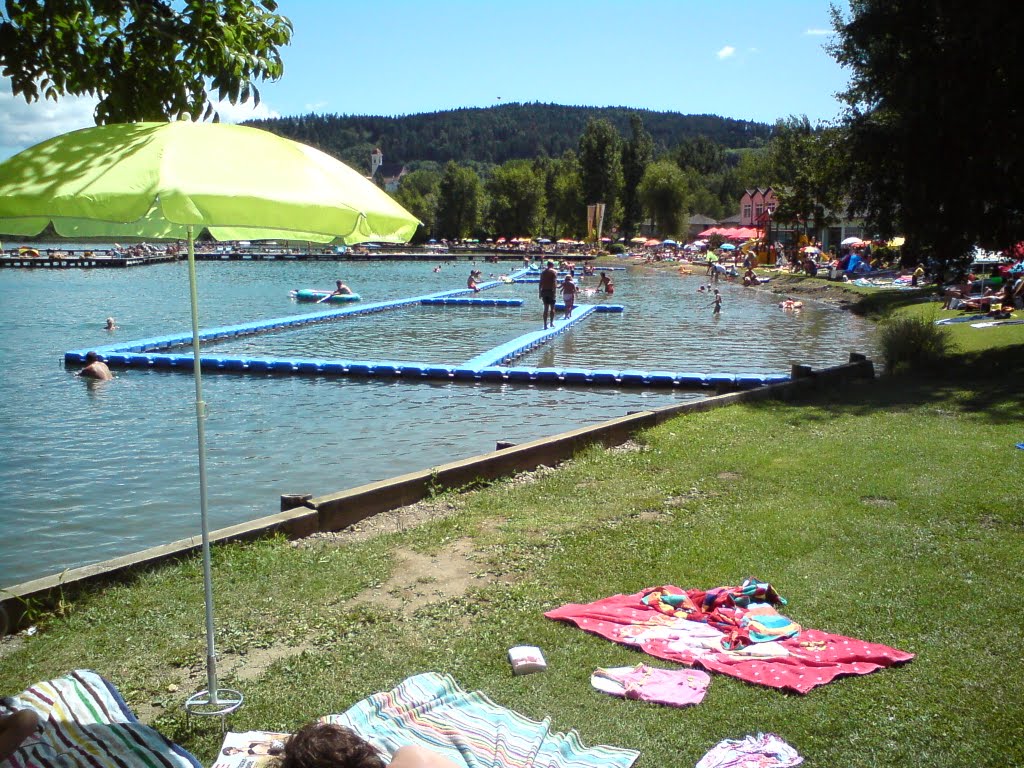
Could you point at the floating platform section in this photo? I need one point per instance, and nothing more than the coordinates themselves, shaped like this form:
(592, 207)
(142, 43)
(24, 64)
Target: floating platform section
(464, 302)
(157, 352)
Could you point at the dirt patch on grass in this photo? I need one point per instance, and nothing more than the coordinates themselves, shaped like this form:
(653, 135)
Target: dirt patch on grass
(393, 521)
(419, 580)
(729, 475)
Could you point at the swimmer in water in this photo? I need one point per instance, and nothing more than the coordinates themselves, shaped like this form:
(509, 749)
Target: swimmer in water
(111, 325)
(718, 303)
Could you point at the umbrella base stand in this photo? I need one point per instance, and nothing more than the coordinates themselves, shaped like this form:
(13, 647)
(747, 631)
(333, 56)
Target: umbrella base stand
(225, 702)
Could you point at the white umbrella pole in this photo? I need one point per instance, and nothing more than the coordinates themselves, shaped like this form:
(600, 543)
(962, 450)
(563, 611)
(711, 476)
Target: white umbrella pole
(211, 654)
(214, 700)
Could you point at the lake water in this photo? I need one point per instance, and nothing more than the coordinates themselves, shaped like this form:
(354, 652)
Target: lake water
(94, 470)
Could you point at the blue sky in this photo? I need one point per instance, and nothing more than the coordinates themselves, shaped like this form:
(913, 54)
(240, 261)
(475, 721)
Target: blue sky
(749, 60)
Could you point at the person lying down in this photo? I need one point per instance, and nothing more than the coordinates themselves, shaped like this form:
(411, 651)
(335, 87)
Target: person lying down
(326, 745)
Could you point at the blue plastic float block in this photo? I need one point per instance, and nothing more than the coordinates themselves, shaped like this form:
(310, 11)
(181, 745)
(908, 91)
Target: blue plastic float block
(691, 380)
(386, 369)
(609, 308)
(439, 372)
(575, 375)
(549, 374)
(521, 374)
(360, 369)
(715, 379)
(231, 363)
(412, 371)
(633, 377)
(750, 380)
(310, 366)
(776, 378)
(604, 377)
(283, 366)
(334, 368)
(465, 373)
(257, 365)
(661, 379)
(140, 360)
(115, 358)
(492, 374)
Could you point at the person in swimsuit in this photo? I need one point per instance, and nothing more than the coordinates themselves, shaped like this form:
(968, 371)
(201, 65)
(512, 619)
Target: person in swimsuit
(95, 368)
(606, 283)
(718, 303)
(341, 289)
(547, 289)
(568, 295)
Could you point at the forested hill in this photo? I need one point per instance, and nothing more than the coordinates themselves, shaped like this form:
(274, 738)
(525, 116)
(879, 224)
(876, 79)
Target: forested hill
(496, 134)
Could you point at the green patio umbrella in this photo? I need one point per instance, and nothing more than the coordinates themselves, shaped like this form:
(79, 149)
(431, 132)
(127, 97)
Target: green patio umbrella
(171, 181)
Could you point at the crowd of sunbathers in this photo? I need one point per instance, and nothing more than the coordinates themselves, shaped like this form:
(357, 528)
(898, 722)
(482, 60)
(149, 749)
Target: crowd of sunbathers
(998, 301)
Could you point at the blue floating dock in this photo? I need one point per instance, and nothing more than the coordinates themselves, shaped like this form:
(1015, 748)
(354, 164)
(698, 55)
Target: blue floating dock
(489, 366)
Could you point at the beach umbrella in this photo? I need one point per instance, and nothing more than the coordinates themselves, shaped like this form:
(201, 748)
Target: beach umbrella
(852, 241)
(727, 247)
(172, 181)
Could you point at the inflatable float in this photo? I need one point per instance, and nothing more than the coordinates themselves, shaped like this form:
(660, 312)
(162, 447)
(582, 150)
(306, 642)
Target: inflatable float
(314, 294)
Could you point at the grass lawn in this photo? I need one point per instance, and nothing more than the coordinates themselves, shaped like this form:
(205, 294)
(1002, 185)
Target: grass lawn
(889, 511)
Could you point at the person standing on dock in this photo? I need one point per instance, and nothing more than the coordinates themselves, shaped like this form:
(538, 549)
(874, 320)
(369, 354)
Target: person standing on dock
(568, 295)
(548, 288)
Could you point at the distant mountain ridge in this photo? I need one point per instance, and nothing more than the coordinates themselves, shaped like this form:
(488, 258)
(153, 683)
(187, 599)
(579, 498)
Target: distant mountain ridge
(492, 135)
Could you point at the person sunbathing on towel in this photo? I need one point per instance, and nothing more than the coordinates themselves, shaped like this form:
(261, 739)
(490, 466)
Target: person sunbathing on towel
(325, 745)
(15, 729)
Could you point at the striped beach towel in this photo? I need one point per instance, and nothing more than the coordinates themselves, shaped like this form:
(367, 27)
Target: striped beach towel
(86, 724)
(432, 711)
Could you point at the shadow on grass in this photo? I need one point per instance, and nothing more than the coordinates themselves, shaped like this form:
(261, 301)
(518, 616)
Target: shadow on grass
(985, 383)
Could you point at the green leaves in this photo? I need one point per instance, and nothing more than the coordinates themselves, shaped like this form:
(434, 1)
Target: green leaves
(146, 60)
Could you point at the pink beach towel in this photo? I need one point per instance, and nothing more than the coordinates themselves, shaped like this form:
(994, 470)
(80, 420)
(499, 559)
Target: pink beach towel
(798, 663)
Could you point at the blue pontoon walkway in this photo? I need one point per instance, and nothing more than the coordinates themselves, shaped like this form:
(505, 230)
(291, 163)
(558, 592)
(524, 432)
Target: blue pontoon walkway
(491, 365)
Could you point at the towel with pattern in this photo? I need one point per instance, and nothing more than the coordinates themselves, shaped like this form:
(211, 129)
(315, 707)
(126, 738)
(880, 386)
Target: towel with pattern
(84, 723)
(431, 710)
(672, 626)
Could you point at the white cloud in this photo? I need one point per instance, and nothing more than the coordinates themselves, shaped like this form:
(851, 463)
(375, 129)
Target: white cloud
(818, 32)
(237, 113)
(726, 52)
(316, 106)
(23, 125)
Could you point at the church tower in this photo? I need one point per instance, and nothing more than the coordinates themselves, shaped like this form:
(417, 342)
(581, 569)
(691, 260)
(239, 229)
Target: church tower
(376, 159)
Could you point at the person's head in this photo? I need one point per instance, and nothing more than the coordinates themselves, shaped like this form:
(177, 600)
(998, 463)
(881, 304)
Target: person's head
(110, 322)
(339, 283)
(551, 264)
(91, 357)
(325, 745)
(716, 291)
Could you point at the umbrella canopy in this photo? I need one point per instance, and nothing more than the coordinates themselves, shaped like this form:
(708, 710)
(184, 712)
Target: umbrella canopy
(172, 180)
(727, 247)
(157, 180)
(810, 249)
(852, 241)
